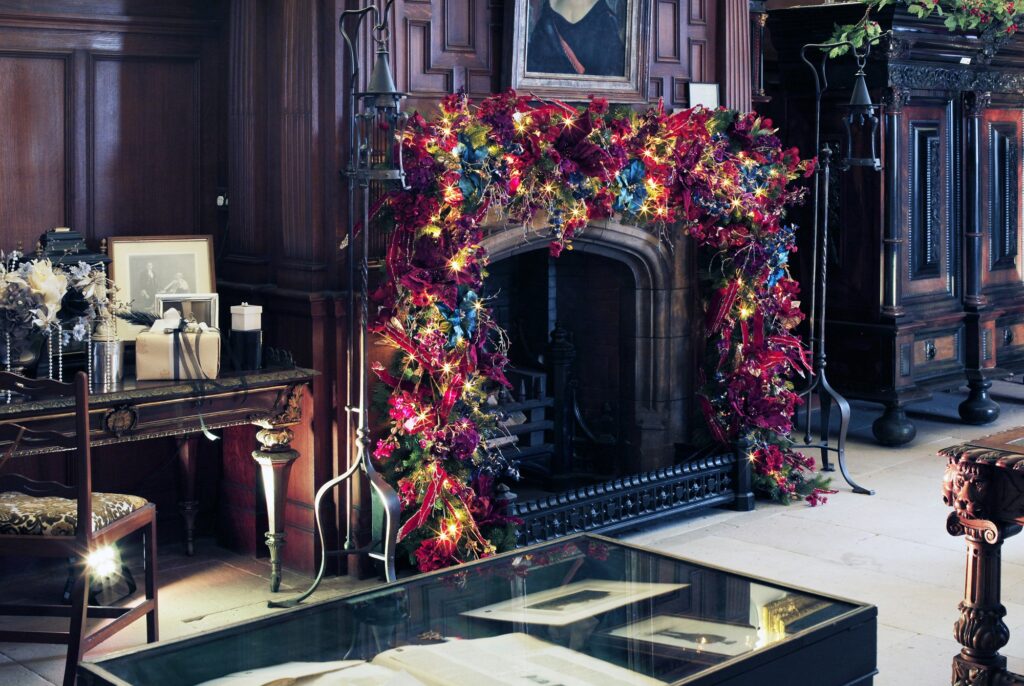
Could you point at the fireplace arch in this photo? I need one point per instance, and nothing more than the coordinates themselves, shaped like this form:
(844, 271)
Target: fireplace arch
(663, 363)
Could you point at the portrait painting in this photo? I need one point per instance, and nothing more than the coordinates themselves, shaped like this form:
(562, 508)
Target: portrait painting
(144, 267)
(571, 49)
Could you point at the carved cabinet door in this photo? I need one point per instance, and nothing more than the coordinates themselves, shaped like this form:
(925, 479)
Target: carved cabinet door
(930, 267)
(1001, 197)
(1001, 270)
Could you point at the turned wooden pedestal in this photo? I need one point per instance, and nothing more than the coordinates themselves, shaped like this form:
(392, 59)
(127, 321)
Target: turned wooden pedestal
(984, 484)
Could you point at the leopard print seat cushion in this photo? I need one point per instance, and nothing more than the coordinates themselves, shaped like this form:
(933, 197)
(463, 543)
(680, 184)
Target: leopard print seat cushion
(22, 514)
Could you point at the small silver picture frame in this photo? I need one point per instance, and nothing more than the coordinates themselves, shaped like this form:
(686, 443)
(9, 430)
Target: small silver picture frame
(203, 308)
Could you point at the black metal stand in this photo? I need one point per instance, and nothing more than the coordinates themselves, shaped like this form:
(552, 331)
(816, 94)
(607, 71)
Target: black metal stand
(363, 168)
(819, 384)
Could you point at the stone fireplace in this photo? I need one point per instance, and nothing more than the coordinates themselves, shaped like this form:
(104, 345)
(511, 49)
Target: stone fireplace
(622, 304)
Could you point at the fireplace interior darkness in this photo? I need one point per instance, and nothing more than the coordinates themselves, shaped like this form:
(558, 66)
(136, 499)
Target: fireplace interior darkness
(571, 323)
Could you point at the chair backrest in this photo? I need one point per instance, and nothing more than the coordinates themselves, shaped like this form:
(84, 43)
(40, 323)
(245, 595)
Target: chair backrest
(25, 438)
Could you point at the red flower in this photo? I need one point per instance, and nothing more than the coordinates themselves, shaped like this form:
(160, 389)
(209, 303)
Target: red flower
(435, 553)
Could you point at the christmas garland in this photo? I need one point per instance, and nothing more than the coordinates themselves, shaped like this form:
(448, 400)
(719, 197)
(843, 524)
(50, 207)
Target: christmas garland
(722, 176)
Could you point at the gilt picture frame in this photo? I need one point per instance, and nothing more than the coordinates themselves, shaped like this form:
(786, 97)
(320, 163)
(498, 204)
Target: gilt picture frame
(572, 49)
(144, 266)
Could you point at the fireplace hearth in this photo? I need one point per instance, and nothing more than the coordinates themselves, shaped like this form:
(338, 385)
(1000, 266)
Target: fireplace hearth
(602, 410)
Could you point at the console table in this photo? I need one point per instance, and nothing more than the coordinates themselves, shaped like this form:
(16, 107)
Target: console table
(140, 410)
(984, 484)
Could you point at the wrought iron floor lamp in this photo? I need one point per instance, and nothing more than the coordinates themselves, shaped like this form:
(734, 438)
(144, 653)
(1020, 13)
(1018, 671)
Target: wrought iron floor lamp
(375, 125)
(860, 112)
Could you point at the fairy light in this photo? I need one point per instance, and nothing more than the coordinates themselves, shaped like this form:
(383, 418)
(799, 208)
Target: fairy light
(733, 187)
(452, 194)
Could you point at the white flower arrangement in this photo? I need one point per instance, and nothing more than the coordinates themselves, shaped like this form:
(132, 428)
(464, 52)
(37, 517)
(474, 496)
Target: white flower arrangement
(37, 296)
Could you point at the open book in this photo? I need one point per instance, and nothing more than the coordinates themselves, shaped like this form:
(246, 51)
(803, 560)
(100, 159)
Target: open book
(507, 660)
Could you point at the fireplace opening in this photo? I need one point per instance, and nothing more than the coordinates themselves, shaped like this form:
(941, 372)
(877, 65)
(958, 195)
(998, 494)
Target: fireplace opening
(572, 327)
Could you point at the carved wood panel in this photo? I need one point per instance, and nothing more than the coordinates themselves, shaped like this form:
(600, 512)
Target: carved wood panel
(680, 33)
(114, 128)
(145, 139)
(445, 46)
(931, 252)
(34, 173)
(1001, 198)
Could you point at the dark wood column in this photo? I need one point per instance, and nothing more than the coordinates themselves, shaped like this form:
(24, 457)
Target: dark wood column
(893, 238)
(978, 408)
(246, 259)
(281, 250)
(734, 64)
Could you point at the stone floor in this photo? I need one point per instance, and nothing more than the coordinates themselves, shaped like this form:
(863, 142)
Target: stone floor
(890, 549)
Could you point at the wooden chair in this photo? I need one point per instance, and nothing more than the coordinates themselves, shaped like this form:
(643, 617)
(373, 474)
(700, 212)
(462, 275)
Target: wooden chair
(42, 519)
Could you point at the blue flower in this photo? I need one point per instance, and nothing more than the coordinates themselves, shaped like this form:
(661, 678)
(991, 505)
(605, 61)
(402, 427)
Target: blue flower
(471, 157)
(462, 320)
(632, 192)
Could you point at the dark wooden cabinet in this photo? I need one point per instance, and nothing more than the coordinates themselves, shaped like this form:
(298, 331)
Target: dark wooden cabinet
(925, 281)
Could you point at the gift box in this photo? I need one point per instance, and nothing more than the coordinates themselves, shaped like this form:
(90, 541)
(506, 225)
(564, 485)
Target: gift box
(172, 351)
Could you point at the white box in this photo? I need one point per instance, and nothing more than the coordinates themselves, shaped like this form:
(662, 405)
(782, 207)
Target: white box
(246, 317)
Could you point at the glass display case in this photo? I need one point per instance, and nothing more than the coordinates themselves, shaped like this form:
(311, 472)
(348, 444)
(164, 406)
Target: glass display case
(584, 610)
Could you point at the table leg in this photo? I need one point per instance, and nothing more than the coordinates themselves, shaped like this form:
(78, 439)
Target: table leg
(188, 447)
(275, 459)
(980, 629)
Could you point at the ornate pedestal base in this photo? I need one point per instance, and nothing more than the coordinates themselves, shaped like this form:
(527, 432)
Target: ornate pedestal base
(982, 486)
(275, 459)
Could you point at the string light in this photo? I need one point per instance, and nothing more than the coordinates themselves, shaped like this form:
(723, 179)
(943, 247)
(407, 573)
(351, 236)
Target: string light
(726, 196)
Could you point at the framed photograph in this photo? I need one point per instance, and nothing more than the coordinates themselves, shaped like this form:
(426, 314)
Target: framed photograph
(572, 602)
(144, 266)
(692, 635)
(203, 308)
(570, 49)
(703, 94)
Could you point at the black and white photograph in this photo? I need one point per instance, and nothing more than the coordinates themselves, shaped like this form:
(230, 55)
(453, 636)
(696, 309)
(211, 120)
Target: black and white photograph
(155, 274)
(144, 267)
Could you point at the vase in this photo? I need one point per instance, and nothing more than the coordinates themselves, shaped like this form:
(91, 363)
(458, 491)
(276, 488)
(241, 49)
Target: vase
(24, 354)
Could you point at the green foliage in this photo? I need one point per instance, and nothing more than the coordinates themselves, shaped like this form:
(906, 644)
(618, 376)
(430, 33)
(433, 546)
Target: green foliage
(999, 17)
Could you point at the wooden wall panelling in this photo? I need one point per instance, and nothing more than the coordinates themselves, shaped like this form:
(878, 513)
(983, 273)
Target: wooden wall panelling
(447, 45)
(145, 137)
(247, 258)
(296, 182)
(133, 144)
(35, 168)
(670, 58)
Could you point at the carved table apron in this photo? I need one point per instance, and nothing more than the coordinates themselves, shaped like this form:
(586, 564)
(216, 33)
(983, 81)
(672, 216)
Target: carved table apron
(141, 410)
(984, 484)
